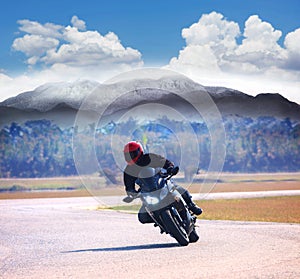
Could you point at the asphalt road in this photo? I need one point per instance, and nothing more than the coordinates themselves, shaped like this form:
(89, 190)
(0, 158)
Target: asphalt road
(63, 238)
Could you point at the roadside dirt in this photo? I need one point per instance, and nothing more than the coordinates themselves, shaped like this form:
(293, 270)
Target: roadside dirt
(194, 188)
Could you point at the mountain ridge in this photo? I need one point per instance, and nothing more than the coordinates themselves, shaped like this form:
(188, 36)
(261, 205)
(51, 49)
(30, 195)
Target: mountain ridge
(52, 98)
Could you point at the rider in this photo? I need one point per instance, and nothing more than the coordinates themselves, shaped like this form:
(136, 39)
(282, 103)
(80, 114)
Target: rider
(136, 159)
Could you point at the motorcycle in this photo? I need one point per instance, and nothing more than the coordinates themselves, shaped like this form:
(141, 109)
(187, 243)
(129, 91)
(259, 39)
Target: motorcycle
(163, 202)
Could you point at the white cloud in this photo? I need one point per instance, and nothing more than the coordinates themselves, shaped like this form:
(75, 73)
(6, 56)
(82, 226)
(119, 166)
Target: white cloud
(259, 36)
(35, 28)
(78, 23)
(207, 42)
(214, 54)
(212, 30)
(34, 45)
(11, 86)
(91, 48)
(4, 79)
(291, 43)
(259, 49)
(199, 58)
(52, 44)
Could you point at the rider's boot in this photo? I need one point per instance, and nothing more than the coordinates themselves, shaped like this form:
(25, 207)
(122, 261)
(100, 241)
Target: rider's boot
(194, 208)
(191, 205)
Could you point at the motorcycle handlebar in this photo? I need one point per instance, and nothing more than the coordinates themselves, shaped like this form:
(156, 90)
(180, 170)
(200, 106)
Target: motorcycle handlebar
(129, 199)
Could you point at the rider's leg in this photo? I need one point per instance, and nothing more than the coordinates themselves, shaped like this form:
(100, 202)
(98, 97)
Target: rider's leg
(188, 199)
(144, 217)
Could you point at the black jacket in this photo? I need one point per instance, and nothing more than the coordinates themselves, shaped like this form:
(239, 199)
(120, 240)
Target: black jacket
(146, 160)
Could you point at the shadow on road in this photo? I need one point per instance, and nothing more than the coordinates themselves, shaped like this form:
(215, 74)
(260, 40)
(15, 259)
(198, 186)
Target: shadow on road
(126, 248)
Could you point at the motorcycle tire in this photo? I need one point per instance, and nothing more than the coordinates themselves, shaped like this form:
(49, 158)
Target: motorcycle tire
(193, 237)
(174, 228)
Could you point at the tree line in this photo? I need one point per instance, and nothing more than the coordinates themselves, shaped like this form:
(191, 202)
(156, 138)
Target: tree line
(43, 149)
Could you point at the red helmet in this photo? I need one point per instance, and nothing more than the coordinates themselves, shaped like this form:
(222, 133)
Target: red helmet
(133, 150)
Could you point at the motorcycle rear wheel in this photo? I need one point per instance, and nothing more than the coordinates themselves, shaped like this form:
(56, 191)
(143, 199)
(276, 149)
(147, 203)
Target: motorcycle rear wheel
(174, 228)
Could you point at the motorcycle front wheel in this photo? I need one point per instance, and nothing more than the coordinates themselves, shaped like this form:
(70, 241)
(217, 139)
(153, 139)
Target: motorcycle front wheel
(193, 237)
(174, 228)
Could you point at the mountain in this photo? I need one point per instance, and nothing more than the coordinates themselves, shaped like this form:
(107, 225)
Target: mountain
(60, 102)
(50, 95)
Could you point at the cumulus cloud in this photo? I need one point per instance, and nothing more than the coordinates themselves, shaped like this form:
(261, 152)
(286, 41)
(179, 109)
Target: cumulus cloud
(207, 41)
(291, 43)
(212, 30)
(78, 23)
(259, 48)
(50, 44)
(216, 48)
(35, 28)
(259, 36)
(11, 86)
(91, 48)
(216, 35)
(34, 45)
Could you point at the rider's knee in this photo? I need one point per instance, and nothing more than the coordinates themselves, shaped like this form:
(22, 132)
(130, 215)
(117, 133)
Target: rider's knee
(144, 218)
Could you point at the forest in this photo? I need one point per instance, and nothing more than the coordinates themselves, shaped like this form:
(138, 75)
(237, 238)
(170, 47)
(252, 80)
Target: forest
(42, 149)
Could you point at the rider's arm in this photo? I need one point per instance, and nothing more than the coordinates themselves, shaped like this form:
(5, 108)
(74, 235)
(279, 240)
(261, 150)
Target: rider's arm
(158, 161)
(129, 182)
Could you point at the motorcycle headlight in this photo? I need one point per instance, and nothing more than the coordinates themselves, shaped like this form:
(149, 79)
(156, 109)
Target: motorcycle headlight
(163, 193)
(151, 200)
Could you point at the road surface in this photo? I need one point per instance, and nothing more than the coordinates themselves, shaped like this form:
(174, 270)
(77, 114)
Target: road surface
(64, 238)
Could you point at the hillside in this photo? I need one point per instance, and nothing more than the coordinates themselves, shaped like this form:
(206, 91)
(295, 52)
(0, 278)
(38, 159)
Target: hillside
(59, 102)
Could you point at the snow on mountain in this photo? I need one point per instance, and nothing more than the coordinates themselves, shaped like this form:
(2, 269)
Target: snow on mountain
(219, 92)
(120, 96)
(48, 96)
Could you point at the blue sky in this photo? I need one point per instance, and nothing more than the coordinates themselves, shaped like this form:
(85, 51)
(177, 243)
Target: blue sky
(150, 33)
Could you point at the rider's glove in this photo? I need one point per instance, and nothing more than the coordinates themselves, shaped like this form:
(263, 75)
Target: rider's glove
(169, 170)
(132, 193)
(172, 170)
